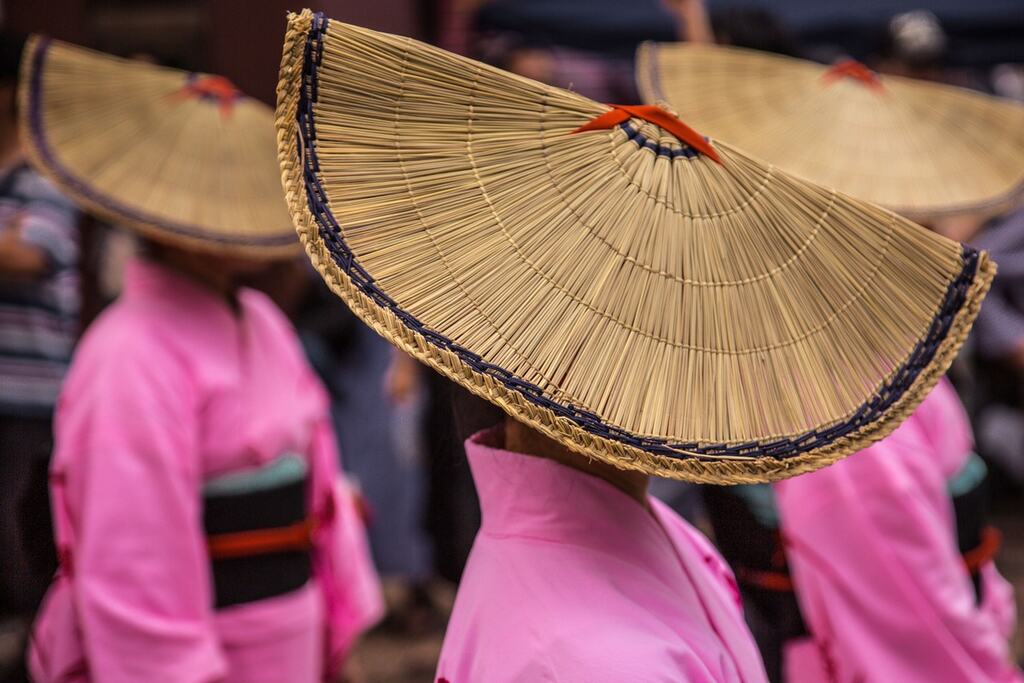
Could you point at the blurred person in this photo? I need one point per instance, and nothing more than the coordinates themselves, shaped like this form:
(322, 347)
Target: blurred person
(38, 324)
(1008, 81)
(693, 24)
(204, 531)
(754, 27)
(575, 278)
(891, 561)
(603, 77)
(914, 46)
(594, 58)
(749, 26)
(999, 346)
(380, 431)
(878, 568)
(451, 510)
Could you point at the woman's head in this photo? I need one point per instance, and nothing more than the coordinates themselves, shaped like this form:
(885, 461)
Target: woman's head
(221, 271)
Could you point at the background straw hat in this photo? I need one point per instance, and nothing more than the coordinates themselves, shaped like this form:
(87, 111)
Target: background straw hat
(620, 291)
(921, 149)
(181, 157)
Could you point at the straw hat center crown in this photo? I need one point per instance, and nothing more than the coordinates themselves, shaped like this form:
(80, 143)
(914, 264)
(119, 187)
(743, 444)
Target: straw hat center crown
(852, 69)
(214, 89)
(667, 121)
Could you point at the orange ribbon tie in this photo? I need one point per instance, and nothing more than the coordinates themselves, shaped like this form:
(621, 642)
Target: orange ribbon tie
(620, 113)
(851, 68)
(212, 87)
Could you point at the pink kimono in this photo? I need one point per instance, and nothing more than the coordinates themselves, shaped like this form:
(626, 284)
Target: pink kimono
(169, 388)
(872, 548)
(571, 580)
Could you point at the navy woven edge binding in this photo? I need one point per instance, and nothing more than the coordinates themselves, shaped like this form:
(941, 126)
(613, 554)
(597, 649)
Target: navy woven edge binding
(663, 150)
(780, 449)
(83, 189)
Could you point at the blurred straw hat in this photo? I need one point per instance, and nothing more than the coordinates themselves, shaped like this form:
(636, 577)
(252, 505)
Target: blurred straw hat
(644, 297)
(921, 149)
(181, 157)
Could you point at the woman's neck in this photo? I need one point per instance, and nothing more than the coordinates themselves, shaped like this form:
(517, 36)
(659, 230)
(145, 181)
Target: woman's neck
(201, 269)
(522, 439)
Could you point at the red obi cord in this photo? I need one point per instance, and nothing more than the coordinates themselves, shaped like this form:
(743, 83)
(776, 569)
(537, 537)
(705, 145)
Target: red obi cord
(620, 113)
(851, 68)
(297, 537)
(211, 88)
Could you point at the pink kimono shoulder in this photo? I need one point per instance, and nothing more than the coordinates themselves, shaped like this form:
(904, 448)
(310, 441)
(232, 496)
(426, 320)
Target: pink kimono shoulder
(872, 548)
(570, 580)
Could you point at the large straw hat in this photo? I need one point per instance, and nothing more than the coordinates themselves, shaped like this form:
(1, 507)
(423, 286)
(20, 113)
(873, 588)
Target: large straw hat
(615, 288)
(918, 148)
(181, 157)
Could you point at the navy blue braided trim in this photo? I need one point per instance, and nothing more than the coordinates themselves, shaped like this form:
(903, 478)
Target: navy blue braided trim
(869, 412)
(81, 187)
(664, 150)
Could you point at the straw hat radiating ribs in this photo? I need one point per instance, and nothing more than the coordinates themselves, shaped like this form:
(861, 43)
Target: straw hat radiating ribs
(181, 157)
(607, 275)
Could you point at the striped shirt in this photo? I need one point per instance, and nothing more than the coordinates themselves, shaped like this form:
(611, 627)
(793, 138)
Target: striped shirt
(38, 316)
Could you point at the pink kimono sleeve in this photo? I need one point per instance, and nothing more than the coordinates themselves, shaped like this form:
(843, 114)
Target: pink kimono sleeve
(342, 564)
(138, 563)
(881, 584)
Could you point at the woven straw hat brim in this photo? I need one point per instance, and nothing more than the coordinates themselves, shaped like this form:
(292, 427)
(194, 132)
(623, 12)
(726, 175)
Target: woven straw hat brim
(622, 294)
(130, 143)
(921, 149)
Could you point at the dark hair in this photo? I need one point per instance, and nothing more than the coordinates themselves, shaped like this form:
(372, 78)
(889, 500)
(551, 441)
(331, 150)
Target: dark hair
(12, 44)
(753, 27)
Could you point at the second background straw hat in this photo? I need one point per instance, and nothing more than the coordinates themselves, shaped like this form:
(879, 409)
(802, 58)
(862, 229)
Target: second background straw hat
(921, 149)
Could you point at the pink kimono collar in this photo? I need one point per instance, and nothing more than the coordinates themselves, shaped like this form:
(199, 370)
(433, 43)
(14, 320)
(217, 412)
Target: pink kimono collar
(531, 497)
(528, 497)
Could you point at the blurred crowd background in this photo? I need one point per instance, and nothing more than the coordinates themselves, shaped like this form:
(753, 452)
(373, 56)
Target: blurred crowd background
(393, 417)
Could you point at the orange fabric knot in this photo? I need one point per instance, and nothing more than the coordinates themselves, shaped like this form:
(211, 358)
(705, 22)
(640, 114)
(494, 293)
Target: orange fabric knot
(212, 88)
(991, 541)
(778, 582)
(620, 113)
(851, 68)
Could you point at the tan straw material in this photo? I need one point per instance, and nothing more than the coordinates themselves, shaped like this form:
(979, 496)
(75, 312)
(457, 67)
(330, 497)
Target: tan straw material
(920, 149)
(620, 292)
(183, 158)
